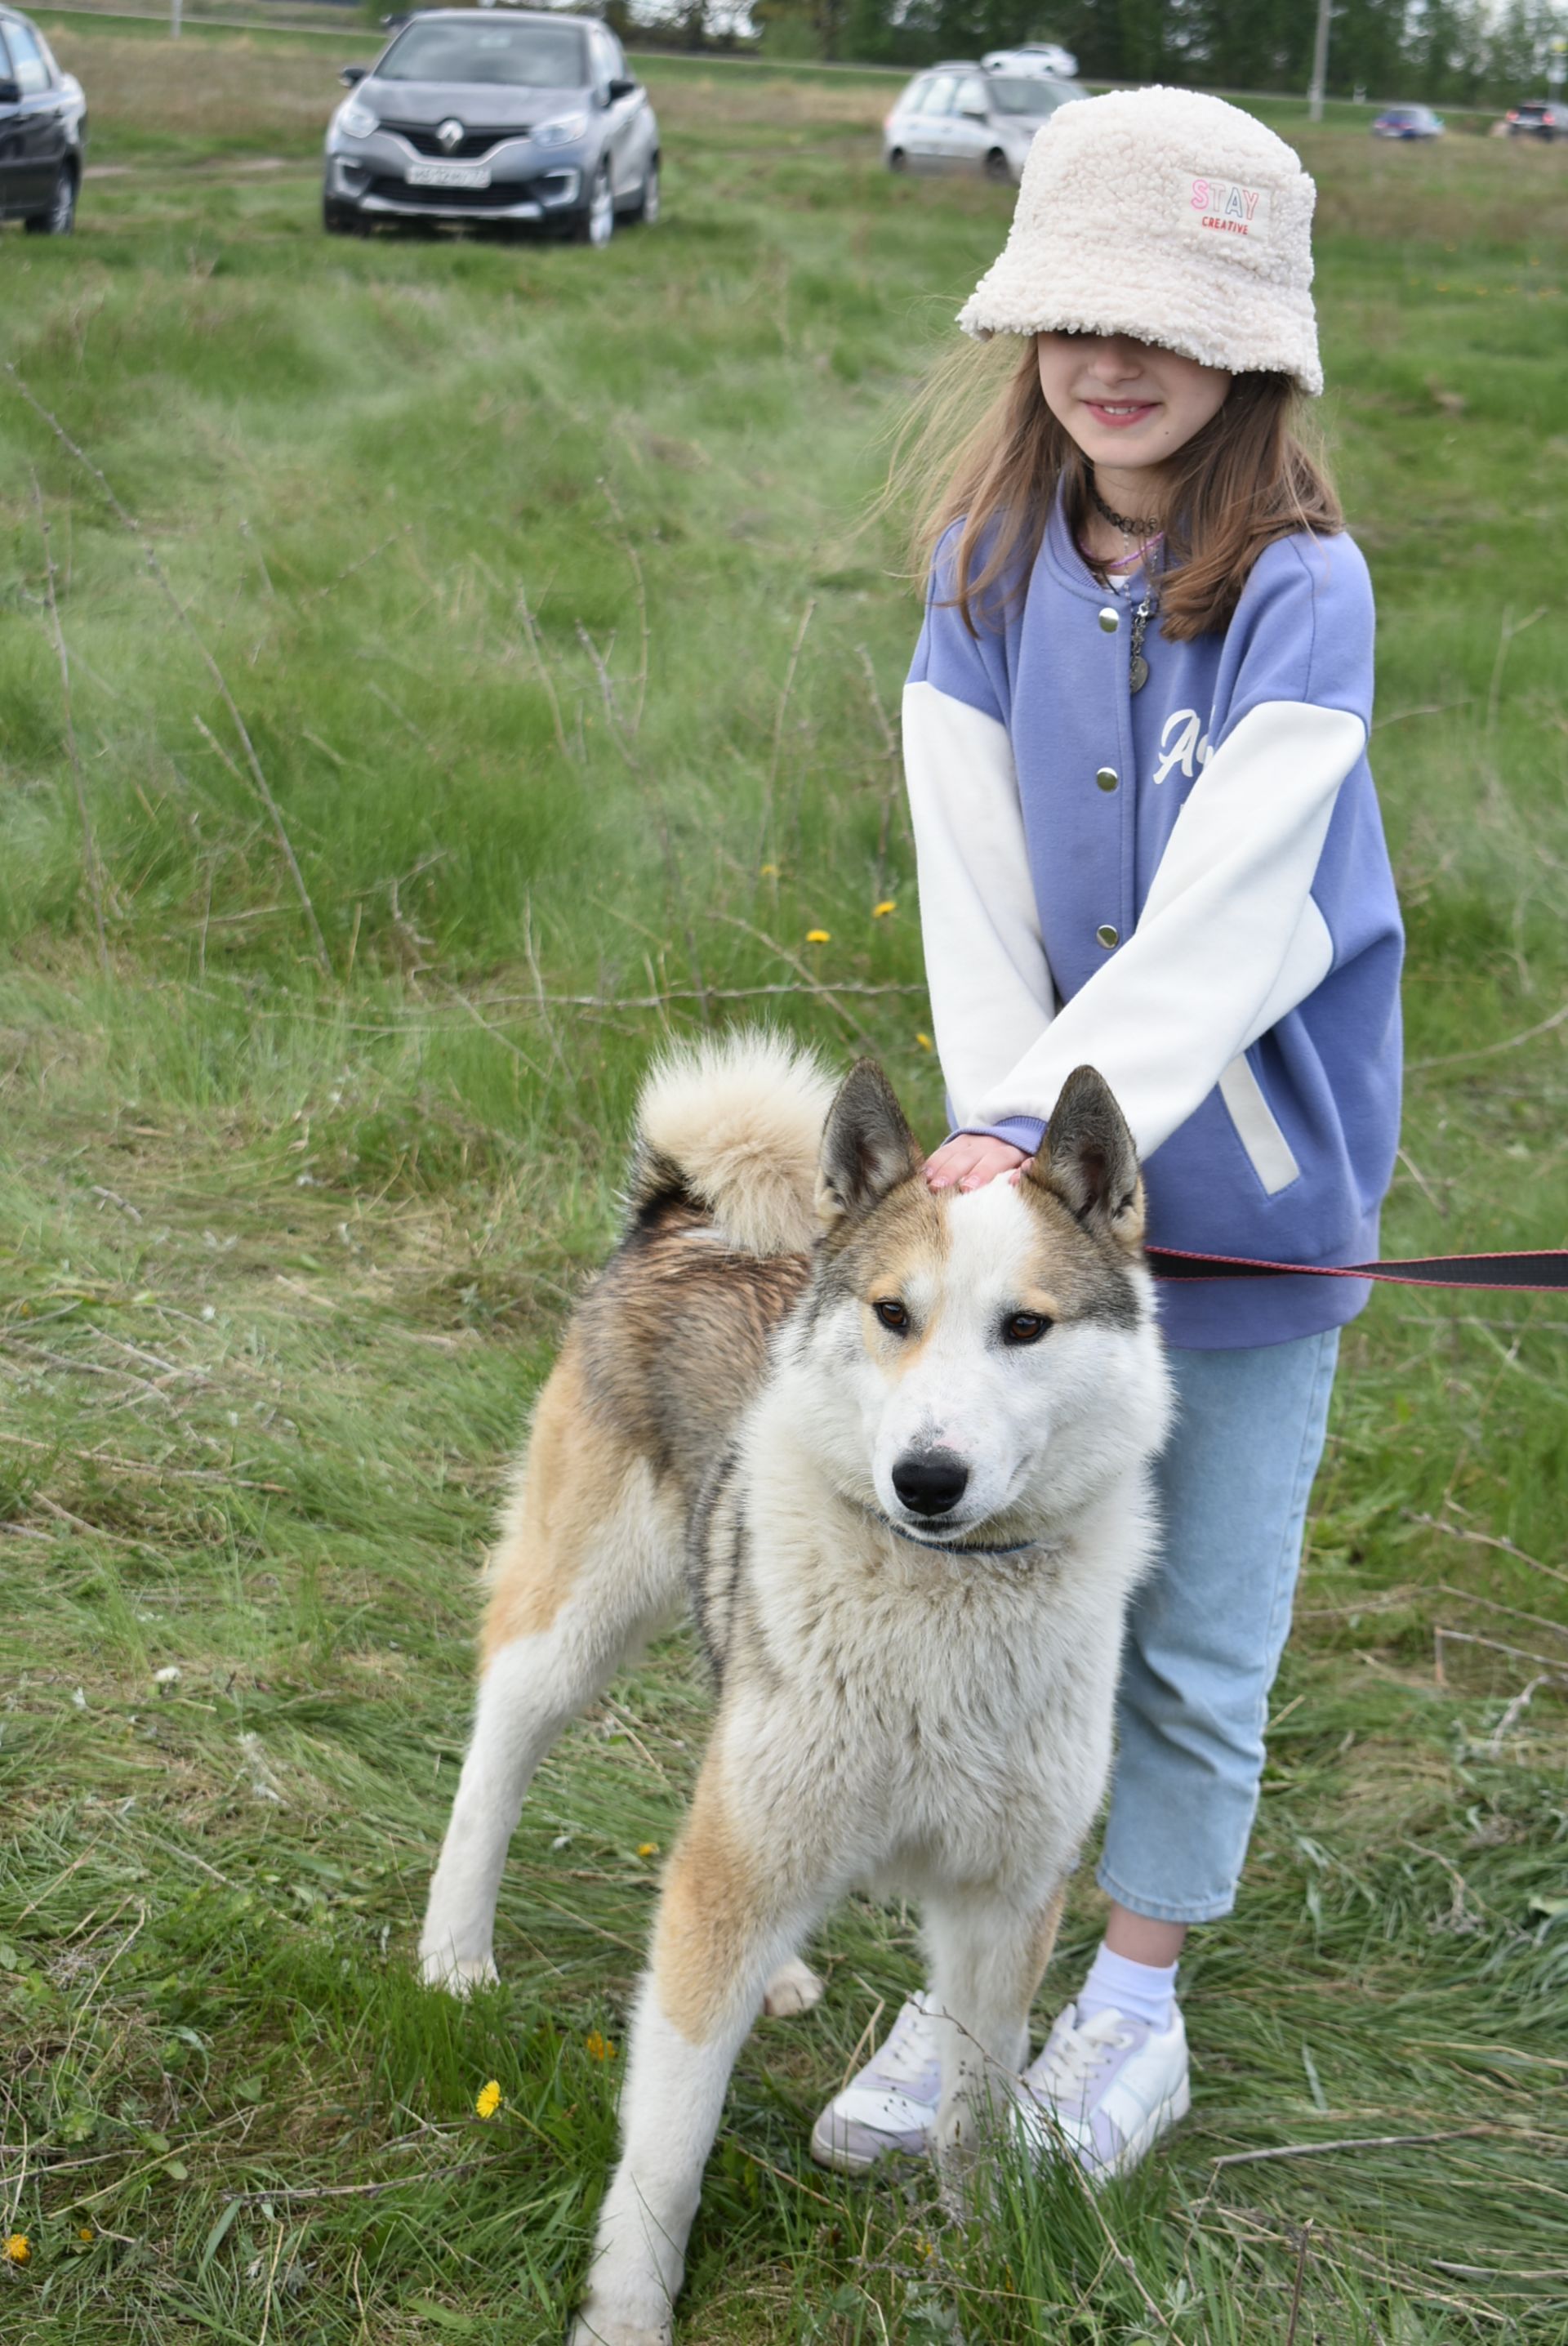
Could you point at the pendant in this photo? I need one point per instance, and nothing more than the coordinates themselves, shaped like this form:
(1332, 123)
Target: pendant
(1138, 674)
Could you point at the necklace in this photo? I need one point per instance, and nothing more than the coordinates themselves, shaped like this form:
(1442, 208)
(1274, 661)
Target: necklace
(1130, 525)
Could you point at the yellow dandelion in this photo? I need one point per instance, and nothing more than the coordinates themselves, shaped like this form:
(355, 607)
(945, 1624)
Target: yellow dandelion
(889, 904)
(86, 2232)
(598, 2048)
(647, 1849)
(768, 872)
(924, 2248)
(489, 2100)
(924, 1042)
(19, 2249)
(819, 937)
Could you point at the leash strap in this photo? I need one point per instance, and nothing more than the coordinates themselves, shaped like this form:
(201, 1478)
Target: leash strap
(1539, 1272)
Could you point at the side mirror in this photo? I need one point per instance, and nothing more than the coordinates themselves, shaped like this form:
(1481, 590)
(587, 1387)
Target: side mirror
(975, 114)
(10, 93)
(621, 88)
(352, 76)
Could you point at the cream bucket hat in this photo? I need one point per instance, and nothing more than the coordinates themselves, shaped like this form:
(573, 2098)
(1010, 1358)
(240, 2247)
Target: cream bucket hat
(1167, 216)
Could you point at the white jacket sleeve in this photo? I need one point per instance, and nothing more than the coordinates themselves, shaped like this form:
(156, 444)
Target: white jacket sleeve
(1227, 943)
(986, 972)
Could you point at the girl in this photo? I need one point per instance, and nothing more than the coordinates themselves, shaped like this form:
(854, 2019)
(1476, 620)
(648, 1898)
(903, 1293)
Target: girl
(1134, 734)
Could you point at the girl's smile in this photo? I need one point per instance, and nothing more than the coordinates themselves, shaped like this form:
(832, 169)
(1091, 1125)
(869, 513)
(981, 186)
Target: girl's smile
(1129, 405)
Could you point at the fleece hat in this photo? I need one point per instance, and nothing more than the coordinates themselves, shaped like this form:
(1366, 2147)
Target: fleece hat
(1167, 216)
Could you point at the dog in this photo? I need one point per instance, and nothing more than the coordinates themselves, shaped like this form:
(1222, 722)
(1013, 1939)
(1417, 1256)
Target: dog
(894, 1447)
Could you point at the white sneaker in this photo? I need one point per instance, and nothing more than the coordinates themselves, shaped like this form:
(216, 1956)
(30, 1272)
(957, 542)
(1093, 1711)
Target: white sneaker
(1104, 2091)
(891, 2106)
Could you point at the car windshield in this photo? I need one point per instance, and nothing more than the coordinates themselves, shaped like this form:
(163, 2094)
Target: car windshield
(514, 57)
(1023, 94)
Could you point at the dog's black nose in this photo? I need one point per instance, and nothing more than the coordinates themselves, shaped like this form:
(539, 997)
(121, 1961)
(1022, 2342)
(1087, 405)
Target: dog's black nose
(930, 1482)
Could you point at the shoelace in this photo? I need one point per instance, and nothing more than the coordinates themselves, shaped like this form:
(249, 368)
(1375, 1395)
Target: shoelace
(903, 2053)
(1072, 2060)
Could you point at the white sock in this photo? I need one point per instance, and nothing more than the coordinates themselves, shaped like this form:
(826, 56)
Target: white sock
(1143, 1991)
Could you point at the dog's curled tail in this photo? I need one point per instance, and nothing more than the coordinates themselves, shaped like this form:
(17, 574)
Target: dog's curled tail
(735, 1125)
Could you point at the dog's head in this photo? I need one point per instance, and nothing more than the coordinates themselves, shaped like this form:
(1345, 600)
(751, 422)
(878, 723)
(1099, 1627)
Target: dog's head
(986, 1358)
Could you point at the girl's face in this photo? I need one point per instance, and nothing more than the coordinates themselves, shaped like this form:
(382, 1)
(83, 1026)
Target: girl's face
(1128, 405)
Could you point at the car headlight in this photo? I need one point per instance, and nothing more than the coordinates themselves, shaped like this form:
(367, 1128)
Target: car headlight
(561, 133)
(355, 120)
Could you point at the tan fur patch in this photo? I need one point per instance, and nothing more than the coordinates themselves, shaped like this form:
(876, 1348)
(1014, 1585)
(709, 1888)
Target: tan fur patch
(1076, 1275)
(713, 1906)
(573, 1470)
(1045, 1931)
(903, 1239)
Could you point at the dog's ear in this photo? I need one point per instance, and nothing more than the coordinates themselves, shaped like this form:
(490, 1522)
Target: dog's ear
(867, 1148)
(1089, 1160)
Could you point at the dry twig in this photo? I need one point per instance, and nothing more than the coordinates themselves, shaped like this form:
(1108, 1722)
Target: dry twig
(1346, 2142)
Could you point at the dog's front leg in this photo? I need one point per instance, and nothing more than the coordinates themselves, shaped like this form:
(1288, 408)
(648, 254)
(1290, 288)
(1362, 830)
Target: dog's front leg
(987, 1956)
(724, 1925)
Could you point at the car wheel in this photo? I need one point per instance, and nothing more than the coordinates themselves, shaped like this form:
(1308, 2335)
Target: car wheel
(61, 217)
(996, 167)
(647, 207)
(897, 161)
(596, 225)
(339, 219)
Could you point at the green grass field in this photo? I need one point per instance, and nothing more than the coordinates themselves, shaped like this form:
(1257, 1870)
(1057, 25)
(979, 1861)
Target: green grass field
(481, 665)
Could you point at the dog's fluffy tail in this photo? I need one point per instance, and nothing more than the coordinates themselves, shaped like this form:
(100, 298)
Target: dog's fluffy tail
(736, 1125)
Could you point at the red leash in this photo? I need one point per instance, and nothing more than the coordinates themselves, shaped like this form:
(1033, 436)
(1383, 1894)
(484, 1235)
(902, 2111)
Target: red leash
(1539, 1272)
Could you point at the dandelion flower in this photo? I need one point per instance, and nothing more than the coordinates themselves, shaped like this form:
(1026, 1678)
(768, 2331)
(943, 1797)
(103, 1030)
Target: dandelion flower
(889, 904)
(86, 2232)
(924, 1041)
(768, 872)
(489, 2100)
(647, 1849)
(819, 937)
(18, 2249)
(598, 2048)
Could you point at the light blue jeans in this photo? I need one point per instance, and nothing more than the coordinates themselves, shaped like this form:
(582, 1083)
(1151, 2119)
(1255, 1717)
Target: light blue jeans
(1208, 1628)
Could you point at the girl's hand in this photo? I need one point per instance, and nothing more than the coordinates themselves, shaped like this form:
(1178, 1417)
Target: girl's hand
(968, 1161)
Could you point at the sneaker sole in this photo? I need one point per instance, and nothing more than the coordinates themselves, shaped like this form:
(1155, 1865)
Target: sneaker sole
(1138, 2147)
(829, 2150)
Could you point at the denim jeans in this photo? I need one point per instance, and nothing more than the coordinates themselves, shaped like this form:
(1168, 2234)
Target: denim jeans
(1208, 1628)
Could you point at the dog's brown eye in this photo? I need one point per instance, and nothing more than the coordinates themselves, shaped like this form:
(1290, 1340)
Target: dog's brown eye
(1024, 1328)
(891, 1313)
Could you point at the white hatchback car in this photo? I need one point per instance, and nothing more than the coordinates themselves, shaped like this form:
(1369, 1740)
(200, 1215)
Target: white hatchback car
(959, 117)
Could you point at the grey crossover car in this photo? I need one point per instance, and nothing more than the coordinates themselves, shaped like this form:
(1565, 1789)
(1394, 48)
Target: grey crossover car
(959, 117)
(43, 129)
(485, 116)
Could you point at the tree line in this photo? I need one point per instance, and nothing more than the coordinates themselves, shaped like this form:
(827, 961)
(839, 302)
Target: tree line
(1454, 52)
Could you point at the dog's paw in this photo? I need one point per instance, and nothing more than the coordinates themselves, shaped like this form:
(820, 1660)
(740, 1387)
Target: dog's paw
(597, 2326)
(458, 1975)
(793, 1988)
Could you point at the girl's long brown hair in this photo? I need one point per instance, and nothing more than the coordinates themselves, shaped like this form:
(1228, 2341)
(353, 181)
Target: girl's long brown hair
(1245, 480)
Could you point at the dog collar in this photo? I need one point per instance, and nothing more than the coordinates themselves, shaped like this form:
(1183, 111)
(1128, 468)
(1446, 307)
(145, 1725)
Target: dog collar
(948, 1547)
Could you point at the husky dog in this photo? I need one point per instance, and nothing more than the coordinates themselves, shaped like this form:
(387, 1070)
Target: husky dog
(895, 1446)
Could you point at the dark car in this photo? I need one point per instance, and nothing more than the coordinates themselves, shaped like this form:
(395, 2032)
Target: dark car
(1408, 122)
(490, 116)
(1538, 118)
(43, 129)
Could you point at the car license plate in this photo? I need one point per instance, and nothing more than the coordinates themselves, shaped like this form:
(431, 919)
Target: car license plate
(448, 175)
